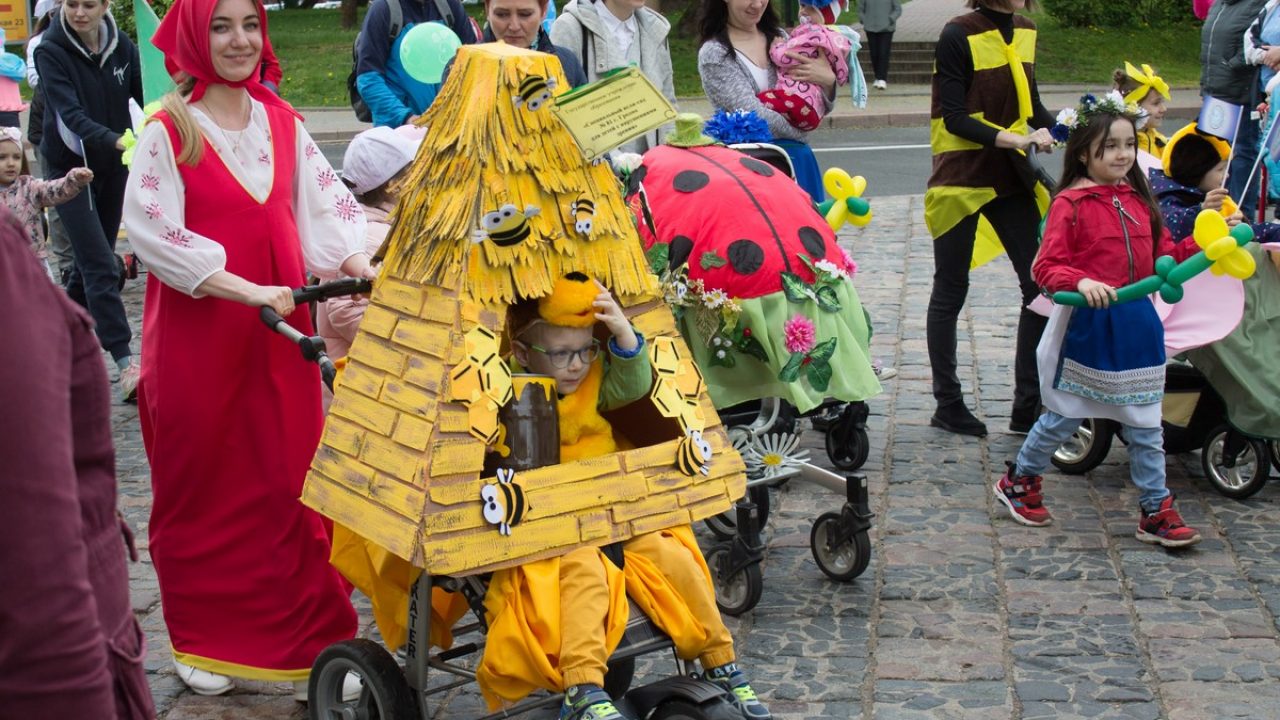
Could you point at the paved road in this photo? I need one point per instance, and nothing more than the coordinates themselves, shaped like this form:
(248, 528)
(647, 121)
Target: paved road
(962, 614)
(895, 161)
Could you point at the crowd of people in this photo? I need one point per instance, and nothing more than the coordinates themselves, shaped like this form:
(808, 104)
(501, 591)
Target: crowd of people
(230, 205)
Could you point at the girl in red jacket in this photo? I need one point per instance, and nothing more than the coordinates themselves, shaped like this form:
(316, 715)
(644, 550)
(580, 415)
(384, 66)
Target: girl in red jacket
(1102, 361)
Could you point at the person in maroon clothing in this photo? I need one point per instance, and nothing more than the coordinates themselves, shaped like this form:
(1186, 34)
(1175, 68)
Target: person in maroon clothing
(70, 646)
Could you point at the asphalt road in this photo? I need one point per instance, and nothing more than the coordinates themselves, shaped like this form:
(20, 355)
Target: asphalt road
(895, 161)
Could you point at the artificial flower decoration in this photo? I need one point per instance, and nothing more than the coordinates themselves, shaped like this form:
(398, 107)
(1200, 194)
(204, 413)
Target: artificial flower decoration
(773, 454)
(807, 355)
(822, 291)
(738, 126)
(799, 334)
(1071, 119)
(847, 205)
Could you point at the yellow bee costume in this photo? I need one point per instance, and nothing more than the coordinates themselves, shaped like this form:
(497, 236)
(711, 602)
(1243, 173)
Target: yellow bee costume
(528, 646)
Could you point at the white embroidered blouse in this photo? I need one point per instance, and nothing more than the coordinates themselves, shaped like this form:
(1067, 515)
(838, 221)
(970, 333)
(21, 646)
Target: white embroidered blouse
(330, 222)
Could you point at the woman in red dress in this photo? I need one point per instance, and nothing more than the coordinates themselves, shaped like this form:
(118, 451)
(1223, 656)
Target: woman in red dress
(229, 204)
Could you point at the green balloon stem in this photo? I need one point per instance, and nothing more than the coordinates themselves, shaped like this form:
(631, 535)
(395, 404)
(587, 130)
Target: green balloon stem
(858, 206)
(824, 206)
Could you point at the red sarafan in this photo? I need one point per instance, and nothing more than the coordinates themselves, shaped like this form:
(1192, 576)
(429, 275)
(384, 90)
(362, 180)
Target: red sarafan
(738, 221)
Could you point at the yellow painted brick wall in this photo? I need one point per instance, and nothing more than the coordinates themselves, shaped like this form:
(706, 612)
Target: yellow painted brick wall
(398, 465)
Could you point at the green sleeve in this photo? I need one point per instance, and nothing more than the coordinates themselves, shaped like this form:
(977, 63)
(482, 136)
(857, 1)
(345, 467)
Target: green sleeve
(625, 379)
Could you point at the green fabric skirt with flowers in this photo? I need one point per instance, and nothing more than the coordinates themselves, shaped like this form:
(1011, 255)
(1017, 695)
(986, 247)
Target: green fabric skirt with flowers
(802, 352)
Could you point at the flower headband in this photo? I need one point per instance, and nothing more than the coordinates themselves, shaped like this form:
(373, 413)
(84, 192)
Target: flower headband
(1147, 80)
(1071, 119)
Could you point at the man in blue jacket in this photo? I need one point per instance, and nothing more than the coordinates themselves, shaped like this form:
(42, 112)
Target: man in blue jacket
(394, 98)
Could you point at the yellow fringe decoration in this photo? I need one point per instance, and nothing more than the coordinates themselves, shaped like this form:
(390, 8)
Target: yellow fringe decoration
(482, 152)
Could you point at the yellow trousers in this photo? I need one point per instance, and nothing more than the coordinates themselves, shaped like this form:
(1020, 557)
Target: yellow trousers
(552, 624)
(668, 579)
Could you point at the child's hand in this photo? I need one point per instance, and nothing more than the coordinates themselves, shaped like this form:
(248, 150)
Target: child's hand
(1235, 219)
(1213, 199)
(610, 313)
(81, 176)
(1098, 295)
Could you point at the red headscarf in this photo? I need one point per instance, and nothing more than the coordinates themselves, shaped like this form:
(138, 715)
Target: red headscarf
(183, 37)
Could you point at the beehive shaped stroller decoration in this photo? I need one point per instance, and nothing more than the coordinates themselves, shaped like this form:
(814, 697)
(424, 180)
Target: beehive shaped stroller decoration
(500, 204)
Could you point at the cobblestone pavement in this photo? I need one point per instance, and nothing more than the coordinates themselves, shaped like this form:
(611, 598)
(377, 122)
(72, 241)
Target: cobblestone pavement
(962, 613)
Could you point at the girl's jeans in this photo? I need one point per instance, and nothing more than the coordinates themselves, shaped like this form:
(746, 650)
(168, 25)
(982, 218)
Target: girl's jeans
(1146, 454)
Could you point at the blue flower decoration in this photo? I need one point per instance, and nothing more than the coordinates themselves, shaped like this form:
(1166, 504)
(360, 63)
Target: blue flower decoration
(739, 126)
(1060, 132)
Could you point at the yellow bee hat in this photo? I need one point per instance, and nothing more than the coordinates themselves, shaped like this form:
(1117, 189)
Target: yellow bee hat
(1194, 151)
(571, 302)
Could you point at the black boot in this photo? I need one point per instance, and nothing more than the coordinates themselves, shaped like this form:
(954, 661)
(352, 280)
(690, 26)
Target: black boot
(955, 417)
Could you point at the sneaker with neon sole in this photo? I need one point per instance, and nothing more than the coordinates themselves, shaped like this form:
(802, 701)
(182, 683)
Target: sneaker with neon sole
(1022, 497)
(734, 681)
(1165, 527)
(589, 702)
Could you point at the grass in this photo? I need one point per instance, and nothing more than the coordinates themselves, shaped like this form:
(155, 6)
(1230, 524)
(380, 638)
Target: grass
(1089, 55)
(316, 54)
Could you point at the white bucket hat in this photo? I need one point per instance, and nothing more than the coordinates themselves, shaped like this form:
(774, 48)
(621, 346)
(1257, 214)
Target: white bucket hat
(375, 156)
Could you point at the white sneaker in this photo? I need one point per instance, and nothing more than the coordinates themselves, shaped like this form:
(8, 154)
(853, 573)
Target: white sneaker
(882, 372)
(881, 85)
(351, 686)
(202, 682)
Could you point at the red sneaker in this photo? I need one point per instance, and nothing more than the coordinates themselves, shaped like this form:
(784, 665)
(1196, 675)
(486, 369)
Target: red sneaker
(1022, 496)
(1165, 527)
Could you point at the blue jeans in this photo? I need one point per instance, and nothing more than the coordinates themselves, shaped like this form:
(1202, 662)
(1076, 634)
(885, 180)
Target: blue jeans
(1146, 454)
(1246, 154)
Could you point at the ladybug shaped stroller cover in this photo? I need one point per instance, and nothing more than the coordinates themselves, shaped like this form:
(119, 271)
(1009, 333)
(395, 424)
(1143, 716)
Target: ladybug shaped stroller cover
(762, 292)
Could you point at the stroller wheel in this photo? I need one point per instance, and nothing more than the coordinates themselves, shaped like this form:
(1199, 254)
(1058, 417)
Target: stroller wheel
(1086, 448)
(1236, 477)
(847, 444)
(386, 694)
(739, 592)
(840, 561)
(1275, 453)
(725, 525)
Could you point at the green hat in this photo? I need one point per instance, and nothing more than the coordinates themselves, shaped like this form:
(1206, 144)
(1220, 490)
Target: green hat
(688, 132)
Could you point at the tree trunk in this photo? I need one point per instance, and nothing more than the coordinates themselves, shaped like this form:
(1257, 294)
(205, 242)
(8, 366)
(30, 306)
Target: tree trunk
(348, 14)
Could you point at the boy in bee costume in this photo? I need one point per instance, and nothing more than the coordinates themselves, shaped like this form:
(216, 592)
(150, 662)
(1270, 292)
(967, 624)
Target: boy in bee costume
(664, 574)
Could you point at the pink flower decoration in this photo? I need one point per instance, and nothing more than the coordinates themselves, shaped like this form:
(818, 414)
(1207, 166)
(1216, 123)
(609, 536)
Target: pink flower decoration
(799, 335)
(850, 266)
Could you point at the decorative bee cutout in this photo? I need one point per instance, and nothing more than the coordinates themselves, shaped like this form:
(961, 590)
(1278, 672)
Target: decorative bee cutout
(534, 91)
(583, 210)
(506, 226)
(504, 503)
(693, 454)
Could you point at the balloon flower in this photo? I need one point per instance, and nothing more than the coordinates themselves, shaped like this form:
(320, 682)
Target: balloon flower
(426, 49)
(1222, 253)
(847, 204)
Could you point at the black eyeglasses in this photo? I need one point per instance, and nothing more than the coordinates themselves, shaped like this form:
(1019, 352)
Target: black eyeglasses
(563, 358)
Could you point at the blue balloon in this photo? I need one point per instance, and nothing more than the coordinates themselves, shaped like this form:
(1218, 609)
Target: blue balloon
(426, 49)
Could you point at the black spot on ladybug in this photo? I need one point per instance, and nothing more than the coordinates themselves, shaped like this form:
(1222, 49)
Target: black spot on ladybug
(688, 181)
(634, 180)
(745, 256)
(813, 242)
(763, 169)
(679, 251)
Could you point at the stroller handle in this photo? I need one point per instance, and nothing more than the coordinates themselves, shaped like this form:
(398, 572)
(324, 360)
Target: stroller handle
(312, 347)
(1037, 167)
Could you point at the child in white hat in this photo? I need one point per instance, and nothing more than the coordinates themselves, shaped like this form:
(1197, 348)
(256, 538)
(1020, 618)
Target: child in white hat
(373, 166)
